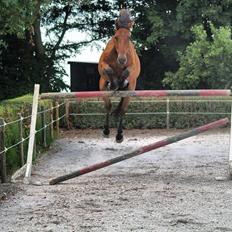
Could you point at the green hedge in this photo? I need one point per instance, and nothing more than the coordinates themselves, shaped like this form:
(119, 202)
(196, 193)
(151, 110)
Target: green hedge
(144, 105)
(9, 110)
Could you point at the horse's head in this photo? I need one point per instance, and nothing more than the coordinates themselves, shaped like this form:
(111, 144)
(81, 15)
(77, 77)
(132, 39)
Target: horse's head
(122, 36)
(121, 41)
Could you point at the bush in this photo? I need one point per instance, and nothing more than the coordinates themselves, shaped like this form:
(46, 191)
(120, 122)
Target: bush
(204, 64)
(152, 109)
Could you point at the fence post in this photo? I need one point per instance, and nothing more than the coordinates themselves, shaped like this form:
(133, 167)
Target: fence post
(230, 151)
(35, 148)
(32, 133)
(57, 119)
(67, 114)
(2, 149)
(21, 147)
(51, 123)
(43, 125)
(168, 114)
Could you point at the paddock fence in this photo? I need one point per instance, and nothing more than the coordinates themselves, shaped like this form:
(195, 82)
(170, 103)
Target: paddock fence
(147, 109)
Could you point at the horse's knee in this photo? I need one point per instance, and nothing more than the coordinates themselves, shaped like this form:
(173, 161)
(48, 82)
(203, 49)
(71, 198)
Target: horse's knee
(108, 71)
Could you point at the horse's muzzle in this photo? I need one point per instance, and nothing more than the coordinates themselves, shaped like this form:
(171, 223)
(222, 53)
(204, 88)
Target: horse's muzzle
(122, 60)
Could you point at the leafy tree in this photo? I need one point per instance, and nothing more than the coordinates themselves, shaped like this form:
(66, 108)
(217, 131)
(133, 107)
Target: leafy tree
(205, 64)
(194, 12)
(166, 29)
(27, 58)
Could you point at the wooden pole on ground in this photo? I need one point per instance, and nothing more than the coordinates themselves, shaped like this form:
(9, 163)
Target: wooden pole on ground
(32, 133)
(2, 151)
(142, 150)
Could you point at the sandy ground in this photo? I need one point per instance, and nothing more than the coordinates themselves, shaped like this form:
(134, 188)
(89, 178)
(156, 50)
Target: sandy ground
(181, 187)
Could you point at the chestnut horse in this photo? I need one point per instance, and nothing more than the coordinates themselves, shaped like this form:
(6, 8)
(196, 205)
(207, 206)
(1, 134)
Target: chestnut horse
(119, 68)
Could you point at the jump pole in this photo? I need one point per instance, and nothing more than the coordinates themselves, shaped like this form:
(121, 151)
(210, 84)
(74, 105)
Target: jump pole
(138, 93)
(144, 149)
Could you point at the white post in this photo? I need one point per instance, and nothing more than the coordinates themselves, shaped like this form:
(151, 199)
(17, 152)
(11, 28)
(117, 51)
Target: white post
(230, 154)
(32, 134)
(168, 114)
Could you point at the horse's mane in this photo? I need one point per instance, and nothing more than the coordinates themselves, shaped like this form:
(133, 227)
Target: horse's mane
(124, 20)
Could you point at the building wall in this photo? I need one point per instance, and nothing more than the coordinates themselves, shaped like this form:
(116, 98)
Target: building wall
(84, 76)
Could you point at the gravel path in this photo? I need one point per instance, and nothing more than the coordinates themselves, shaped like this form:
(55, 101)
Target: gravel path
(181, 187)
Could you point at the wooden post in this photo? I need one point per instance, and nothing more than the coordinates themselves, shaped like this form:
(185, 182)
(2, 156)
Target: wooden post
(67, 114)
(32, 133)
(21, 145)
(51, 122)
(44, 131)
(168, 114)
(3, 154)
(57, 119)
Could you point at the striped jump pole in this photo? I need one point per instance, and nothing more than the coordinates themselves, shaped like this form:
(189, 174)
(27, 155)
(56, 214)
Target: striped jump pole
(141, 150)
(138, 93)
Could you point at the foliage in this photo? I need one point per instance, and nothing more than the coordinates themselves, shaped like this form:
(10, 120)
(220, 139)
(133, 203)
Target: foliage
(27, 57)
(164, 27)
(161, 29)
(158, 108)
(193, 12)
(15, 17)
(205, 64)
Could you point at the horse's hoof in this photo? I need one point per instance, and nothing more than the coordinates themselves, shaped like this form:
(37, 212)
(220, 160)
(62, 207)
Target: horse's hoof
(105, 136)
(106, 133)
(119, 138)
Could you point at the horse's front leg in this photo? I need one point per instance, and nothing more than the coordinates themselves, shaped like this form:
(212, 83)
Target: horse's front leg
(123, 81)
(108, 72)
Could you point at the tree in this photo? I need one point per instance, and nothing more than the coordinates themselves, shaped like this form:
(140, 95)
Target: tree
(165, 28)
(204, 64)
(26, 58)
(194, 12)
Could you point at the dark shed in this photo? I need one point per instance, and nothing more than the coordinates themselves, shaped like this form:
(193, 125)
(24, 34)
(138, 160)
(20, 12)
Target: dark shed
(84, 76)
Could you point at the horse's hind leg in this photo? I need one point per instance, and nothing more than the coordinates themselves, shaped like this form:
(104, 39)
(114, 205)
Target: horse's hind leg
(119, 136)
(106, 130)
(108, 105)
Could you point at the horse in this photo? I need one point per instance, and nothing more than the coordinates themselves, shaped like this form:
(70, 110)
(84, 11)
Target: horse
(119, 68)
